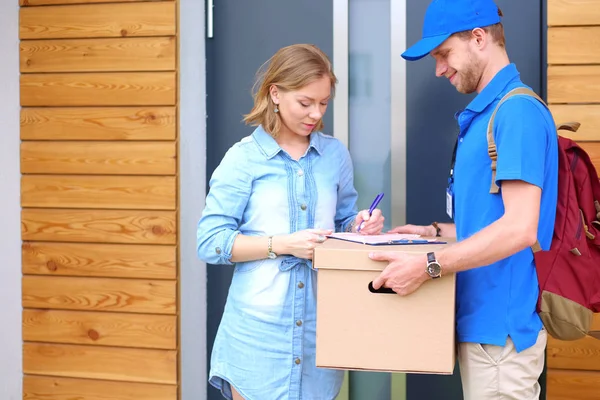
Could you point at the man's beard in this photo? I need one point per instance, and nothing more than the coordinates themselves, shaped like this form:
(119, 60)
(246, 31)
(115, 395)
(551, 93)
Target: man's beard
(469, 78)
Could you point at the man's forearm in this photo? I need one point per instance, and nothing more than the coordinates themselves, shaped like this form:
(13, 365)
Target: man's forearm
(447, 230)
(499, 240)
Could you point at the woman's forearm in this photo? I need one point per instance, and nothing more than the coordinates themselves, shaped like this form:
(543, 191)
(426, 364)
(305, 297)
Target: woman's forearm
(250, 248)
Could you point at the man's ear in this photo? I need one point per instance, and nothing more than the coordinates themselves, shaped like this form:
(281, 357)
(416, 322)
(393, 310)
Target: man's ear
(274, 92)
(480, 37)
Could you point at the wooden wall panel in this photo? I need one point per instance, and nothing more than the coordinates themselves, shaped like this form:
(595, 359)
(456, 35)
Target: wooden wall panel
(593, 149)
(107, 329)
(100, 260)
(98, 89)
(583, 354)
(92, 55)
(586, 114)
(100, 199)
(99, 294)
(99, 226)
(572, 385)
(573, 95)
(574, 84)
(92, 123)
(46, 388)
(98, 20)
(596, 322)
(118, 192)
(118, 158)
(574, 45)
(119, 364)
(26, 3)
(573, 12)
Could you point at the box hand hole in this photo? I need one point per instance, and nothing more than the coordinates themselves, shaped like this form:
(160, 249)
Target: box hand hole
(380, 290)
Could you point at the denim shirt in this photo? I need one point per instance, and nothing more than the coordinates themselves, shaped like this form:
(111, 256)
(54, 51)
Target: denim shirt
(265, 345)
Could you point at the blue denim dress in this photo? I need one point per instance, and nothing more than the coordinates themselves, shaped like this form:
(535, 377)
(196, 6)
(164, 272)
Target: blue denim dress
(265, 344)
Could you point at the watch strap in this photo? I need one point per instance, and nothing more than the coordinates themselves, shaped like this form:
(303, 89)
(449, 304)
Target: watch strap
(270, 245)
(431, 257)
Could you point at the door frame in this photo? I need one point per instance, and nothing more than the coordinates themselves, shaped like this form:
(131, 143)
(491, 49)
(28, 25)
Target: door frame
(341, 55)
(398, 95)
(192, 343)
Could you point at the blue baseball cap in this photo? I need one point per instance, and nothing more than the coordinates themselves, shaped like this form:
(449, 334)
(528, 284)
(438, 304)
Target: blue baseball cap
(446, 17)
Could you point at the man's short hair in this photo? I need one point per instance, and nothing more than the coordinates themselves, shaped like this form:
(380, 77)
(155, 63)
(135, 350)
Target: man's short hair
(496, 31)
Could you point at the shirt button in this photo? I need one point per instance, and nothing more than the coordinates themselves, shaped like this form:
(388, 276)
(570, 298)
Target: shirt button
(297, 361)
(218, 250)
(300, 285)
(299, 323)
(300, 172)
(303, 207)
(461, 140)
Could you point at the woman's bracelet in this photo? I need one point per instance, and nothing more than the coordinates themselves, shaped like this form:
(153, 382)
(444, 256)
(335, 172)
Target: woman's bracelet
(350, 226)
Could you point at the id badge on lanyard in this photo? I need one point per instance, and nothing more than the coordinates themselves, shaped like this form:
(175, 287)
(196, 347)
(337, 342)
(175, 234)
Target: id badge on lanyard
(450, 188)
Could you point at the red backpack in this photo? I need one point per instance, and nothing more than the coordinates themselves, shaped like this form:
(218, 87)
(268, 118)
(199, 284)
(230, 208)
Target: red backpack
(568, 273)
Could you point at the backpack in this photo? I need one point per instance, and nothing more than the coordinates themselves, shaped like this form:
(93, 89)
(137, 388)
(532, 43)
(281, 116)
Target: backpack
(568, 273)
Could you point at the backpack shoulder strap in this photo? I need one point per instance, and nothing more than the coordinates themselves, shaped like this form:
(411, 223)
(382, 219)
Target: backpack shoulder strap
(492, 150)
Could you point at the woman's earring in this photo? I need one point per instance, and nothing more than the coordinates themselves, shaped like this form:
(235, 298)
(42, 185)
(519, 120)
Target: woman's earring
(276, 109)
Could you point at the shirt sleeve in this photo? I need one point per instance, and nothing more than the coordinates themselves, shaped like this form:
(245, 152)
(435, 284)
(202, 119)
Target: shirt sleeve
(347, 196)
(230, 188)
(521, 132)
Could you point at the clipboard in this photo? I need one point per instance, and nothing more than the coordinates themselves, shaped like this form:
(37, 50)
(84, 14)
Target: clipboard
(385, 239)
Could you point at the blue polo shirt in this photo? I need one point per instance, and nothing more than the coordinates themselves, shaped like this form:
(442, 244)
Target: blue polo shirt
(499, 300)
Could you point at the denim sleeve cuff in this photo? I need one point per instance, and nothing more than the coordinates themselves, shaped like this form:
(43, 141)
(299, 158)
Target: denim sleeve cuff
(216, 248)
(226, 247)
(347, 225)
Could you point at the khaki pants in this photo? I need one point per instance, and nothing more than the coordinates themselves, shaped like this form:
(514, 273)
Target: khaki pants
(498, 372)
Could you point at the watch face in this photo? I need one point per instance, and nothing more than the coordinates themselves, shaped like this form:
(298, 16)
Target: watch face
(272, 255)
(434, 269)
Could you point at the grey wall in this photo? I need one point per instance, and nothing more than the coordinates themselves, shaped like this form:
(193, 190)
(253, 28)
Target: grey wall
(10, 237)
(192, 169)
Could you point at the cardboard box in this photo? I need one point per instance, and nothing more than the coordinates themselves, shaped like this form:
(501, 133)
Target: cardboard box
(361, 330)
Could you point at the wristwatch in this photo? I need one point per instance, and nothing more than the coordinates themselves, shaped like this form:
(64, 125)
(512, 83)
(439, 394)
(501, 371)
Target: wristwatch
(434, 269)
(270, 253)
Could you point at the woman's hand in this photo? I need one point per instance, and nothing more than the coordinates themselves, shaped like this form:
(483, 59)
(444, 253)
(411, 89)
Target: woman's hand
(371, 225)
(300, 244)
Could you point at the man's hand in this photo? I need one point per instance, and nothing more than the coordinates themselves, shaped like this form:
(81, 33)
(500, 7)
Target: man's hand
(404, 274)
(428, 230)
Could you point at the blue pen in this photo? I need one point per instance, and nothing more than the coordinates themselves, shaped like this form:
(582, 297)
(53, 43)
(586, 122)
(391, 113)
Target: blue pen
(371, 209)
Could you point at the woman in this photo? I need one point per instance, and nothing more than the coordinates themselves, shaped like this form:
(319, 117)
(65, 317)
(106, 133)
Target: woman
(273, 198)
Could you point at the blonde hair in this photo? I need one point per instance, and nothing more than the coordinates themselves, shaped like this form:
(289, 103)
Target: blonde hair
(290, 69)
